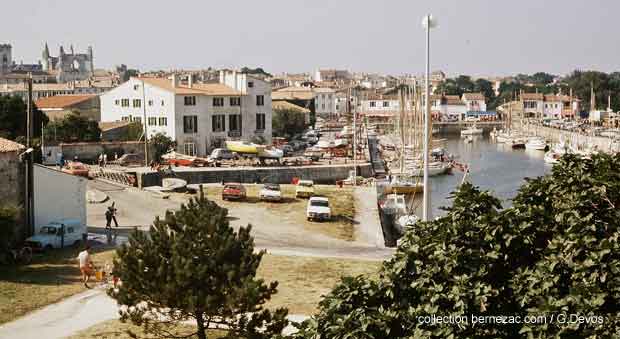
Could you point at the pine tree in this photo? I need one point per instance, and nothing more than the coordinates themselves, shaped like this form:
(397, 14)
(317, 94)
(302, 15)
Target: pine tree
(193, 266)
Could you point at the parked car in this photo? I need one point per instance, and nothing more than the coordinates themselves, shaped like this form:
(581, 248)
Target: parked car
(233, 191)
(314, 153)
(304, 189)
(131, 159)
(472, 118)
(318, 209)
(222, 154)
(76, 168)
(58, 234)
(270, 192)
(298, 145)
(288, 150)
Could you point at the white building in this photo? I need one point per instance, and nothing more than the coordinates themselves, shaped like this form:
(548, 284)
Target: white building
(58, 195)
(199, 116)
(325, 101)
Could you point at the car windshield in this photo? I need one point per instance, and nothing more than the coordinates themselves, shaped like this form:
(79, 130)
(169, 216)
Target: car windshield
(232, 187)
(272, 187)
(305, 183)
(319, 203)
(48, 230)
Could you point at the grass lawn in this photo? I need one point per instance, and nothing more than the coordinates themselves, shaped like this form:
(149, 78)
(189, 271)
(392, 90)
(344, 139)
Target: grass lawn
(292, 209)
(302, 282)
(115, 329)
(50, 278)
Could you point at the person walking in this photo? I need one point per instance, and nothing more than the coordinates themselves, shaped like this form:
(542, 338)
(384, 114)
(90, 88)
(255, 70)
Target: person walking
(100, 160)
(105, 159)
(86, 265)
(110, 215)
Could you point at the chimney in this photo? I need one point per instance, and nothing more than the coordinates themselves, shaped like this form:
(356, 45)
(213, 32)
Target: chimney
(175, 81)
(190, 80)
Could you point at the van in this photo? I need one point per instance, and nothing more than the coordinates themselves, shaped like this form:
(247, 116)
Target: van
(58, 234)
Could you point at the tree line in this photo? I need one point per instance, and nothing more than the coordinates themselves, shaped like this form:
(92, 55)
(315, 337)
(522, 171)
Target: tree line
(605, 85)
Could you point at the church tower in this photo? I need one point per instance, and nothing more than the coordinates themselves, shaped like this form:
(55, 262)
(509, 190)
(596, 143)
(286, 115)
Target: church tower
(45, 58)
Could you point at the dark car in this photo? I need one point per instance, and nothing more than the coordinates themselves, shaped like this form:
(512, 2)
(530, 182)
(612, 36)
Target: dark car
(233, 191)
(287, 150)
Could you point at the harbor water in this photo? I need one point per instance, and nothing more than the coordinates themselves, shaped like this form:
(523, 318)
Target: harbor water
(493, 166)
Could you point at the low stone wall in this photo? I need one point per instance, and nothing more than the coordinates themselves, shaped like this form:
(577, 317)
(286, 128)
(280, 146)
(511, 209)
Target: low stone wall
(90, 151)
(553, 134)
(324, 174)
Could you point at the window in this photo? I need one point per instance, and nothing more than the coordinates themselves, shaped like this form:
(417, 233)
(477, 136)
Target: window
(125, 102)
(70, 230)
(235, 101)
(190, 101)
(189, 148)
(137, 103)
(386, 104)
(135, 87)
(234, 122)
(218, 123)
(137, 119)
(219, 102)
(125, 118)
(260, 100)
(152, 121)
(116, 102)
(260, 121)
(150, 102)
(190, 124)
(162, 102)
(250, 84)
(163, 121)
(373, 104)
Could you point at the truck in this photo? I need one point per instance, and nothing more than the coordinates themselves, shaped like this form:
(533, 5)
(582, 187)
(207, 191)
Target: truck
(58, 234)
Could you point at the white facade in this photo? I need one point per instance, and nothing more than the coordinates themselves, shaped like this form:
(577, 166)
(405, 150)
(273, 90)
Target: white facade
(325, 101)
(198, 116)
(58, 195)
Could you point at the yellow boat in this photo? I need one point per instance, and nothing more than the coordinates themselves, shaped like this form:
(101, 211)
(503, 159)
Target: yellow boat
(244, 147)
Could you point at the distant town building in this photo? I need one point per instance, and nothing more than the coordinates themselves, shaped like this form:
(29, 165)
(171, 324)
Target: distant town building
(199, 116)
(538, 105)
(43, 90)
(332, 75)
(325, 101)
(69, 66)
(59, 106)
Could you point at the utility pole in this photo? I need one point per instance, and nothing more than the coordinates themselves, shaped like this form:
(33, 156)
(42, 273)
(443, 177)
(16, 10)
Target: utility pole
(426, 210)
(146, 138)
(29, 203)
(355, 140)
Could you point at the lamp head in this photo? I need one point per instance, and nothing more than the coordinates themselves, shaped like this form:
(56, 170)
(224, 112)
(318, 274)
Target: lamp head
(429, 22)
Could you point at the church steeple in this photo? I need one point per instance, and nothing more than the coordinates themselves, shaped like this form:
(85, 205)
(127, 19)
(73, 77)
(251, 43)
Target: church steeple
(46, 52)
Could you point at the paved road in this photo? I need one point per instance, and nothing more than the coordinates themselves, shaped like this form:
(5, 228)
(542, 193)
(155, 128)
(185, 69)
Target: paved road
(73, 315)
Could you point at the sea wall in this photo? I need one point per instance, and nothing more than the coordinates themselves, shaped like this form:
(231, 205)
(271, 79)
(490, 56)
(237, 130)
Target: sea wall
(554, 135)
(321, 174)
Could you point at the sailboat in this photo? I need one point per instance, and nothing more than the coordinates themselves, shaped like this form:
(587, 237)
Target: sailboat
(472, 130)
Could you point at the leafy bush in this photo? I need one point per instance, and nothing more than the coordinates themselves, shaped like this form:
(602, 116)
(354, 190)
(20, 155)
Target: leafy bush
(555, 251)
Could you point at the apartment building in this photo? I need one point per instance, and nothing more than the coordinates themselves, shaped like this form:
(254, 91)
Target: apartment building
(557, 106)
(199, 116)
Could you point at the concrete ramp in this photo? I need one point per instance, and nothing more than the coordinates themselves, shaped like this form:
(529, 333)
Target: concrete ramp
(368, 224)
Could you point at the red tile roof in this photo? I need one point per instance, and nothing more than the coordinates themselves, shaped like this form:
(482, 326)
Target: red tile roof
(7, 145)
(62, 101)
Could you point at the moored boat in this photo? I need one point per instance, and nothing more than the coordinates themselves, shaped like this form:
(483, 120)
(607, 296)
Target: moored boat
(536, 143)
(472, 130)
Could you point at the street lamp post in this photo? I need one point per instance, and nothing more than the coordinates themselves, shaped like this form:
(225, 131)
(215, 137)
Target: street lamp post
(428, 23)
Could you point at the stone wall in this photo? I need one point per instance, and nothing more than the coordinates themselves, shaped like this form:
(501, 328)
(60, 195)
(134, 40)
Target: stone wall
(324, 174)
(553, 134)
(11, 179)
(89, 151)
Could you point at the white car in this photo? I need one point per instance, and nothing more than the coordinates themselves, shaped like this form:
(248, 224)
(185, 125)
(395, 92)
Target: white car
(472, 118)
(58, 234)
(270, 192)
(318, 209)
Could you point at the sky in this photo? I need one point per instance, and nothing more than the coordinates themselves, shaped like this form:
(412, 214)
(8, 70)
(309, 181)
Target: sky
(475, 37)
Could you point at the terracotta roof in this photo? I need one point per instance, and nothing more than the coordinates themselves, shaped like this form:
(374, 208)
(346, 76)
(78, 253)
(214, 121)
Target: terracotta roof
(7, 145)
(197, 89)
(473, 96)
(284, 105)
(62, 101)
(532, 96)
(557, 98)
(106, 126)
(293, 93)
